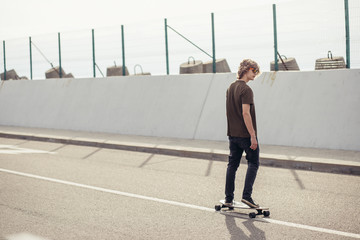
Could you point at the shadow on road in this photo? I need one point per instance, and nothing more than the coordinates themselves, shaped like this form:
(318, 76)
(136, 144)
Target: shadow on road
(237, 233)
(92, 153)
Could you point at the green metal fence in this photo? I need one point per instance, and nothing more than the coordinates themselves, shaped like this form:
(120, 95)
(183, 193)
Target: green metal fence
(347, 29)
(169, 40)
(213, 57)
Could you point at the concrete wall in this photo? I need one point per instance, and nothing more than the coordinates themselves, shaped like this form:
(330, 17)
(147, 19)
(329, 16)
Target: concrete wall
(309, 109)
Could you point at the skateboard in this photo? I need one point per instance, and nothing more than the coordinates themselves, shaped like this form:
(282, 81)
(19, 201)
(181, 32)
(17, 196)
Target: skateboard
(259, 211)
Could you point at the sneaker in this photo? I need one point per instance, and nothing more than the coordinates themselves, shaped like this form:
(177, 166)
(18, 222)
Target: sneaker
(228, 204)
(250, 202)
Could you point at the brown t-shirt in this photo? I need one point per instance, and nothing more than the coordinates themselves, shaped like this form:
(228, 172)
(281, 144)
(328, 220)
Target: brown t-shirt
(237, 94)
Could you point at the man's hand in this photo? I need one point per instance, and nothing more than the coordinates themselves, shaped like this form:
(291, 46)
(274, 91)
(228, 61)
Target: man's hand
(254, 143)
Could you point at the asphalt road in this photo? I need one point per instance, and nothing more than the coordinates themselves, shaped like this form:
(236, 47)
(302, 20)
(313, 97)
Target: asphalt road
(54, 191)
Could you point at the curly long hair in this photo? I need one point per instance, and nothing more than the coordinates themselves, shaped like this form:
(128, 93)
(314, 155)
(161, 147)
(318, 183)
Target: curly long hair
(244, 67)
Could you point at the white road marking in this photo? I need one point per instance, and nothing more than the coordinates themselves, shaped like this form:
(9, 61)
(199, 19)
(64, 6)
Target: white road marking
(325, 230)
(269, 220)
(9, 149)
(24, 236)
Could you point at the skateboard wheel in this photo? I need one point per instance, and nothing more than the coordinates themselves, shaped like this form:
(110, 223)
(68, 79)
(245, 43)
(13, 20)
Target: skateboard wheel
(266, 213)
(217, 207)
(252, 215)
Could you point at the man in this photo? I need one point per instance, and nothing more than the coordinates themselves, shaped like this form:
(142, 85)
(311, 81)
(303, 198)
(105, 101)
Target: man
(241, 123)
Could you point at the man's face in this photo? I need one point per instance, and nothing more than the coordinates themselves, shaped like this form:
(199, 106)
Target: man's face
(251, 74)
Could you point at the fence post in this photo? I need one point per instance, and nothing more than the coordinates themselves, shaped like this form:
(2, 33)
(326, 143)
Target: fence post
(123, 50)
(93, 51)
(60, 70)
(166, 48)
(4, 60)
(213, 42)
(30, 47)
(275, 38)
(347, 30)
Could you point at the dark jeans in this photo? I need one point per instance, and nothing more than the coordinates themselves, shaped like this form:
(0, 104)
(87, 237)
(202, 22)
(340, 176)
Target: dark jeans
(237, 146)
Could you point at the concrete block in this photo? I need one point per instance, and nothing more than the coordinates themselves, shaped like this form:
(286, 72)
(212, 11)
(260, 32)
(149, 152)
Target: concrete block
(289, 64)
(191, 67)
(143, 73)
(330, 63)
(10, 75)
(54, 72)
(69, 75)
(221, 66)
(116, 71)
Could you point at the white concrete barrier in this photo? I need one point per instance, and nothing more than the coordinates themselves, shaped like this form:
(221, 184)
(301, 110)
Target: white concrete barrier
(310, 109)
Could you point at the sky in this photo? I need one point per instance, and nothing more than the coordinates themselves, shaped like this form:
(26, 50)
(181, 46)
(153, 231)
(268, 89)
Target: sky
(21, 18)
(307, 30)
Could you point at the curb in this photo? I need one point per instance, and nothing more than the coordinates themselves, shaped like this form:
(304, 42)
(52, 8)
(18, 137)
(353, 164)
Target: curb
(265, 161)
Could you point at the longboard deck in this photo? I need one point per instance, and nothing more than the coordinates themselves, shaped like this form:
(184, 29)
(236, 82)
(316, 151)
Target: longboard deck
(242, 206)
(259, 211)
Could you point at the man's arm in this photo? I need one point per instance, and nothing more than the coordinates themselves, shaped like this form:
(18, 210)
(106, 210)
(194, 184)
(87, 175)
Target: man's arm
(249, 125)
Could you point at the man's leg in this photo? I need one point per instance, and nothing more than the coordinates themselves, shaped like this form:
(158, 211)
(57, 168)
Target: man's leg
(234, 161)
(250, 179)
(253, 165)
